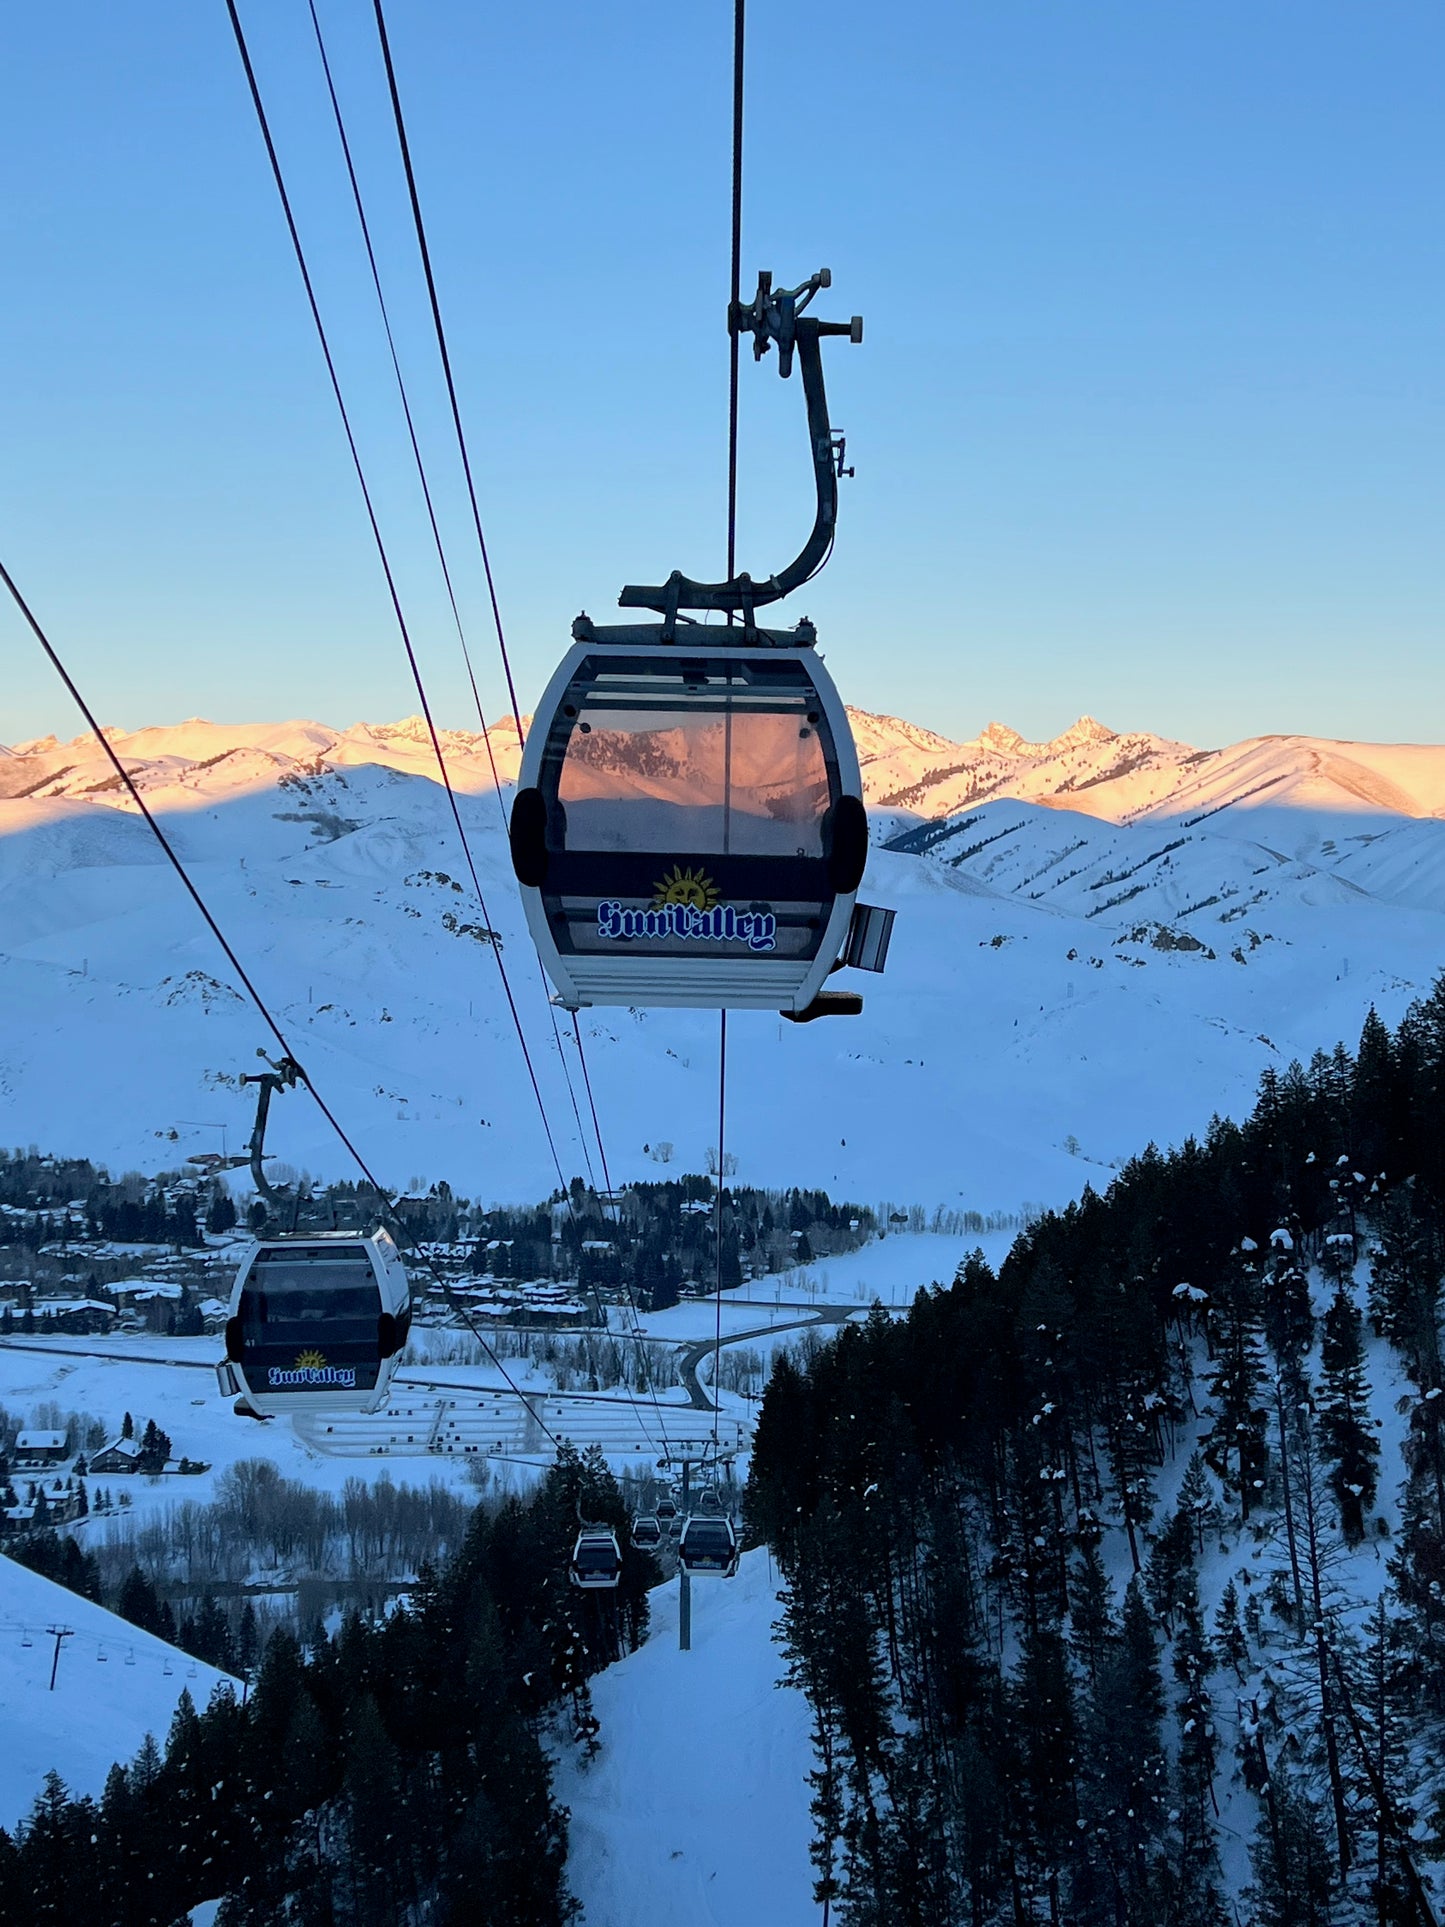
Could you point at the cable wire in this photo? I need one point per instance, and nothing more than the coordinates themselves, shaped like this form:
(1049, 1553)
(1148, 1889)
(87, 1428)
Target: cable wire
(722, 1117)
(638, 1333)
(437, 541)
(735, 285)
(734, 339)
(387, 1203)
(424, 250)
(401, 386)
(446, 359)
(385, 560)
(417, 677)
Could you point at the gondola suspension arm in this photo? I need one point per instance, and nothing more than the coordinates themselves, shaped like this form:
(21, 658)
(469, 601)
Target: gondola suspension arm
(774, 317)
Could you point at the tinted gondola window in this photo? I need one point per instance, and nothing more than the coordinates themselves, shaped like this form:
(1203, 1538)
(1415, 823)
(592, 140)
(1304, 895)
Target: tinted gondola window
(688, 810)
(710, 1538)
(596, 1559)
(309, 1319)
(716, 765)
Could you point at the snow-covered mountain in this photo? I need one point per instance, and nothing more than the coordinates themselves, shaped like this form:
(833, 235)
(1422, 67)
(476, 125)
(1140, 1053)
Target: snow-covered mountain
(85, 1718)
(1120, 778)
(1102, 939)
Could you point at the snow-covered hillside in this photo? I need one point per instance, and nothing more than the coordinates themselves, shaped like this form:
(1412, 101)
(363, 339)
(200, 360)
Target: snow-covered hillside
(1107, 945)
(113, 1685)
(697, 1805)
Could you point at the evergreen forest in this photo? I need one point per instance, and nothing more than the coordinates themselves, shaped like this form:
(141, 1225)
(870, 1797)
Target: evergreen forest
(1095, 1579)
(392, 1773)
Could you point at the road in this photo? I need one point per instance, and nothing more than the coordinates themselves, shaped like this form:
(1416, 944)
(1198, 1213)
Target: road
(691, 1356)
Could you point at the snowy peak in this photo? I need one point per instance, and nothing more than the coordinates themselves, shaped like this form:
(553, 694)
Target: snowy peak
(998, 736)
(1086, 730)
(1278, 789)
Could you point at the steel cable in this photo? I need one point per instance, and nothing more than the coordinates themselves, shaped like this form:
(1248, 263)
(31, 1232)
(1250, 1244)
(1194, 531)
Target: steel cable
(437, 541)
(387, 1203)
(446, 359)
(385, 560)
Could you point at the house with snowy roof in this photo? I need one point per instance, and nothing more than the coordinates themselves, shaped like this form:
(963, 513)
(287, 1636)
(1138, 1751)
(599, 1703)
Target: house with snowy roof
(36, 1449)
(119, 1456)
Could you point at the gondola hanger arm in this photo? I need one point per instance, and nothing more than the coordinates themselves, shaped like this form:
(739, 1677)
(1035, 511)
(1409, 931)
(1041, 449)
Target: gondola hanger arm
(775, 317)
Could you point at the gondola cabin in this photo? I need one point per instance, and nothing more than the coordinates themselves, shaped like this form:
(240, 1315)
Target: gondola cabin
(316, 1324)
(709, 1546)
(666, 1511)
(646, 1532)
(689, 825)
(596, 1561)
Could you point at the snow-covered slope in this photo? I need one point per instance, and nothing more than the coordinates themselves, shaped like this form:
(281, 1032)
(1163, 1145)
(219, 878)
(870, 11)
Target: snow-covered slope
(113, 1685)
(697, 1805)
(1063, 985)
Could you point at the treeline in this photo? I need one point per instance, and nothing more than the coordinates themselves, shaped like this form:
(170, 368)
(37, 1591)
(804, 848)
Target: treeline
(652, 1238)
(73, 1199)
(1004, 1733)
(190, 1561)
(586, 1360)
(659, 1237)
(393, 1772)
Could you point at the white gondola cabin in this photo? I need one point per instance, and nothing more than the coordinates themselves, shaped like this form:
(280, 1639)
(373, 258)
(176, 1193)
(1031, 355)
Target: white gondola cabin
(316, 1323)
(689, 827)
(596, 1562)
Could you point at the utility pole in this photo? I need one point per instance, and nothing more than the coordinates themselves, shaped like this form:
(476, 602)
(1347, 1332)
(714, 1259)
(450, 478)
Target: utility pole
(57, 1633)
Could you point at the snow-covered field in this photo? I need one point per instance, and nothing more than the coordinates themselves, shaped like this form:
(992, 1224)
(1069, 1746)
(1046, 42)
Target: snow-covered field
(113, 1685)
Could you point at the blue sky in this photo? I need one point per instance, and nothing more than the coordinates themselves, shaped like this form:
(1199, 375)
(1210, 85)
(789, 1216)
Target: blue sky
(1149, 420)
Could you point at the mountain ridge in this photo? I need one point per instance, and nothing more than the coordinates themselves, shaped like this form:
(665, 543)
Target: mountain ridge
(908, 770)
(1106, 943)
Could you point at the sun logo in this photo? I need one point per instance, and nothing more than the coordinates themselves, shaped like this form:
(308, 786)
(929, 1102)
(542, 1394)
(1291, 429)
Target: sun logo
(695, 887)
(310, 1361)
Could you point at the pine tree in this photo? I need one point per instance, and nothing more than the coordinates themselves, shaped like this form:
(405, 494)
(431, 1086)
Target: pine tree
(1198, 1743)
(1091, 1620)
(1405, 1280)
(1347, 1438)
(1044, 1709)
(1124, 1763)
(1287, 1318)
(1235, 1445)
(139, 1603)
(1169, 1574)
(1291, 1858)
(1231, 1648)
(1195, 1498)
